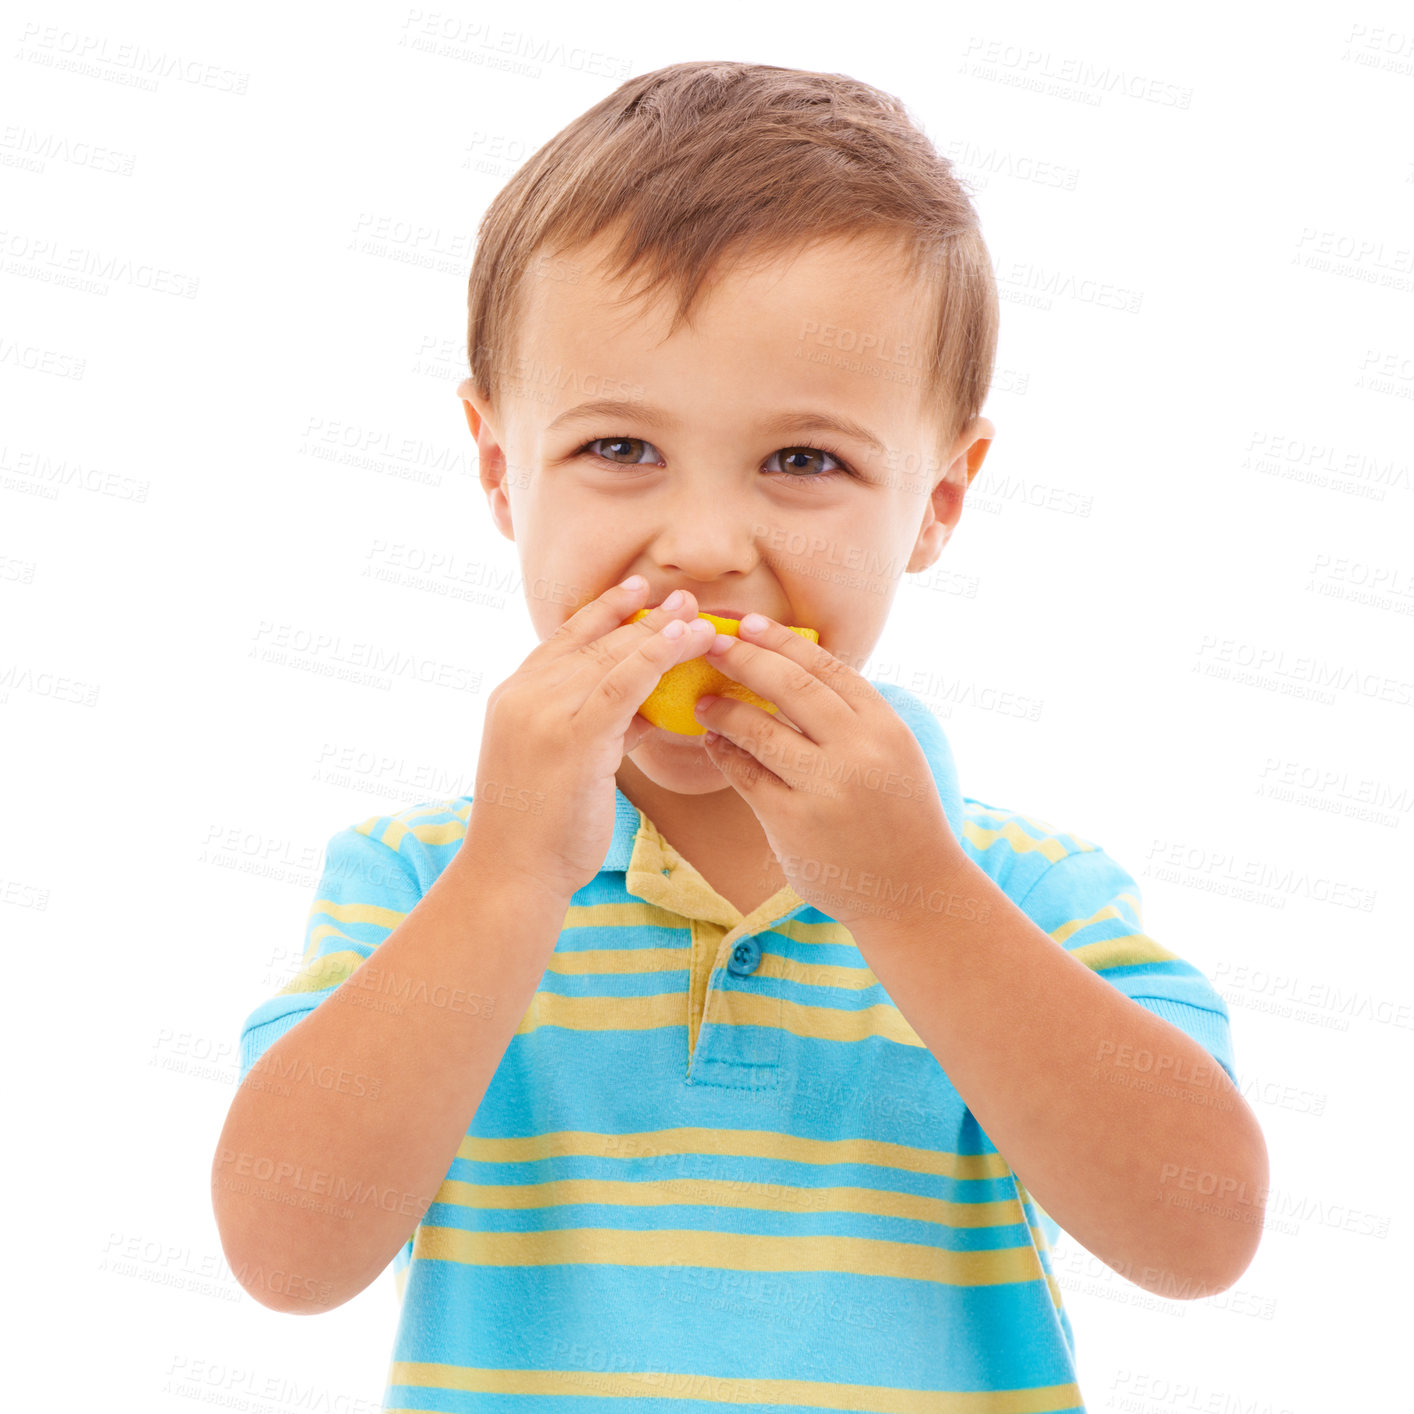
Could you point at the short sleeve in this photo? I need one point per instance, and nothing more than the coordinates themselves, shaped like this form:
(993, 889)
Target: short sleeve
(1091, 906)
(365, 890)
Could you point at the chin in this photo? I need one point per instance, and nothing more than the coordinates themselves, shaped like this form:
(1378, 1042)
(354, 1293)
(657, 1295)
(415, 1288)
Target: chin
(677, 762)
(678, 738)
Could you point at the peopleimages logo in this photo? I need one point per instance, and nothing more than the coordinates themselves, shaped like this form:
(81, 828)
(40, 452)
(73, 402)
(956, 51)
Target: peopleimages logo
(1065, 76)
(1275, 1209)
(1141, 1393)
(1317, 1002)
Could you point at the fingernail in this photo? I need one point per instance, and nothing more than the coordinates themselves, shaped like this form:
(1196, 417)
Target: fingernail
(674, 600)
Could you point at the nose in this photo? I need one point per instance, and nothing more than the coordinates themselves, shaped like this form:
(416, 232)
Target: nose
(700, 536)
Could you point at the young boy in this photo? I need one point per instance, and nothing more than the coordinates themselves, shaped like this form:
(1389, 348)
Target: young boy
(763, 1070)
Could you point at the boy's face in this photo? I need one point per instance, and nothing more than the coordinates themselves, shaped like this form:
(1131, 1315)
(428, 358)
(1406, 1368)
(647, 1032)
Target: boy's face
(716, 495)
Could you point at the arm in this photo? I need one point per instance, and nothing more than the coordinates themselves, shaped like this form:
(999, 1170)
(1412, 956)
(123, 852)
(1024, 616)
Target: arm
(1040, 1048)
(340, 1136)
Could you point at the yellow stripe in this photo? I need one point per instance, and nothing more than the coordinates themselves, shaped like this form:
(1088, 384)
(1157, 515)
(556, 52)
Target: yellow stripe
(731, 1193)
(1123, 952)
(741, 1143)
(638, 913)
(357, 913)
(631, 913)
(720, 1389)
(373, 913)
(1019, 840)
(606, 962)
(592, 962)
(883, 1020)
(1100, 915)
(405, 823)
(446, 832)
(735, 1251)
(1041, 827)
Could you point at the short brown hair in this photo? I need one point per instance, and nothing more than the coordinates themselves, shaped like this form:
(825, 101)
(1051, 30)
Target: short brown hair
(703, 162)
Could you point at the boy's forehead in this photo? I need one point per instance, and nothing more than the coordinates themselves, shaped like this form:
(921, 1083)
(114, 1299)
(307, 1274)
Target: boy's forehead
(837, 320)
(856, 281)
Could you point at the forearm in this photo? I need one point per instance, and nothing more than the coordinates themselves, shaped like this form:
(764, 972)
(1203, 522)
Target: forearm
(341, 1134)
(1042, 1051)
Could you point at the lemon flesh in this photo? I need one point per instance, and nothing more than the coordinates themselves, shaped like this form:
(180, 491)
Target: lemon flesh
(670, 704)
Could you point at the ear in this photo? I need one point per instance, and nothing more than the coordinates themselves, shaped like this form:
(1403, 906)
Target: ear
(490, 454)
(944, 506)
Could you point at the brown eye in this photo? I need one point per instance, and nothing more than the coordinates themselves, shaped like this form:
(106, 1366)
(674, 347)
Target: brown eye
(788, 454)
(796, 472)
(614, 449)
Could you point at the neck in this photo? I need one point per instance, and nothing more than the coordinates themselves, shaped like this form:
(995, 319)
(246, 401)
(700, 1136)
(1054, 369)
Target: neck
(722, 812)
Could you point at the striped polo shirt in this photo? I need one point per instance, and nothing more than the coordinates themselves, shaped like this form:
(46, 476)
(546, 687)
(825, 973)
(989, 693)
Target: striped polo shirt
(715, 1165)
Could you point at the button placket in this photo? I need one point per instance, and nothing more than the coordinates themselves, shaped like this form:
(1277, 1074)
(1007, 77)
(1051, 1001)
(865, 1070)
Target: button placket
(739, 1041)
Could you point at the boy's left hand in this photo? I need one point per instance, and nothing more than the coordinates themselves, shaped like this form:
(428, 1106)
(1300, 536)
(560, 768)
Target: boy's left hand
(847, 803)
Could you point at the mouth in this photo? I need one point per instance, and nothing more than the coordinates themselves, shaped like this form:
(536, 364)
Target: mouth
(720, 613)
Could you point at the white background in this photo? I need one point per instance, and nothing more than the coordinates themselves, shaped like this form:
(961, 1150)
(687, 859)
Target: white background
(1195, 512)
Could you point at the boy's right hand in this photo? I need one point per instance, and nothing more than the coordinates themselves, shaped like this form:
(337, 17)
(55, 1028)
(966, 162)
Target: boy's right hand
(558, 729)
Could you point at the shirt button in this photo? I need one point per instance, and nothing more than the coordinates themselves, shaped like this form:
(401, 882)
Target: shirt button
(746, 957)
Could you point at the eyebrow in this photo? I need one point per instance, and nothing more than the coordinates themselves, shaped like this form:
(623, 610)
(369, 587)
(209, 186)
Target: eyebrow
(650, 416)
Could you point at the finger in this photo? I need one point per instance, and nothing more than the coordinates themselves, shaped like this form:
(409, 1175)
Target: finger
(753, 739)
(603, 623)
(594, 619)
(613, 701)
(746, 773)
(781, 667)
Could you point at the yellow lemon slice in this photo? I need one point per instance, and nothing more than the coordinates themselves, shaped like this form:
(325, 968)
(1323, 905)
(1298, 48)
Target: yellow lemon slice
(671, 703)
